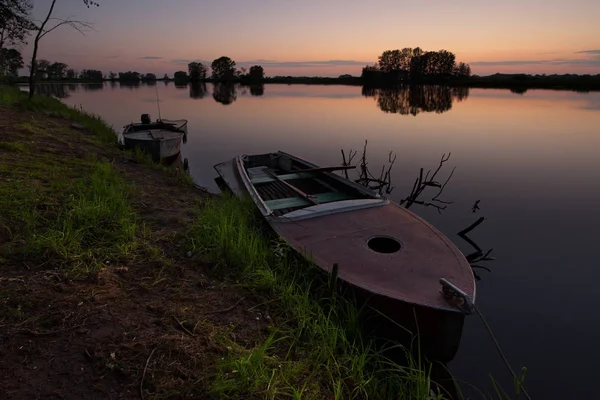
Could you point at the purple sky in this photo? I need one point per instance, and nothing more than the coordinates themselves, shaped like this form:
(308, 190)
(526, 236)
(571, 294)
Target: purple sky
(326, 37)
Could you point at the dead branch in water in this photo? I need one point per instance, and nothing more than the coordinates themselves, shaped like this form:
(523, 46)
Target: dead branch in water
(422, 183)
(379, 184)
(383, 183)
(478, 255)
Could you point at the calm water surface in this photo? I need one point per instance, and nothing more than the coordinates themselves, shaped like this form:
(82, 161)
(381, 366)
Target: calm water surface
(532, 159)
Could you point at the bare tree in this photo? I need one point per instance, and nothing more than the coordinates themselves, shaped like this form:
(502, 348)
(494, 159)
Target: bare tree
(43, 30)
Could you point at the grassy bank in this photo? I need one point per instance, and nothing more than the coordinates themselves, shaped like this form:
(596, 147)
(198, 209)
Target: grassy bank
(315, 349)
(121, 279)
(145, 284)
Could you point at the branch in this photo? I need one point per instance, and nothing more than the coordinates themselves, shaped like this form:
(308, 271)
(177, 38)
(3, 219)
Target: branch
(429, 180)
(427, 204)
(79, 26)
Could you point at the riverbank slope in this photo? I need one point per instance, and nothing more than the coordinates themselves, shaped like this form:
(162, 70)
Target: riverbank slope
(94, 273)
(121, 279)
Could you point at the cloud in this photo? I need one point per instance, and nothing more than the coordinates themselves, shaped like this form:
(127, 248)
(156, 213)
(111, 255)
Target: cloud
(284, 64)
(511, 62)
(300, 64)
(149, 58)
(186, 62)
(588, 52)
(112, 57)
(592, 60)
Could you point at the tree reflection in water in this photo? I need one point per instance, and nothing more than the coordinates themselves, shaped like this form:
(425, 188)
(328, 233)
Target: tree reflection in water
(224, 92)
(197, 90)
(257, 89)
(57, 90)
(92, 87)
(414, 99)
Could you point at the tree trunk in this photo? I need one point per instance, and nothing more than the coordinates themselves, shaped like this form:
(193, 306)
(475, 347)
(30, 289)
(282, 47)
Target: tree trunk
(32, 70)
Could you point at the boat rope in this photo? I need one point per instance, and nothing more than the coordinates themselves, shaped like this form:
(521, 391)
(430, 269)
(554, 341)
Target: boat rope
(512, 372)
(456, 297)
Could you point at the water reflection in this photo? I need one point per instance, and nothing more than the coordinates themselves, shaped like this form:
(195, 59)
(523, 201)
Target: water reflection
(198, 90)
(224, 93)
(58, 90)
(520, 91)
(257, 90)
(404, 100)
(130, 84)
(180, 85)
(91, 87)
(414, 99)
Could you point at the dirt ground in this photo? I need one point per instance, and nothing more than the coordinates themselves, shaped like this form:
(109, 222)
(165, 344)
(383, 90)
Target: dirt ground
(143, 328)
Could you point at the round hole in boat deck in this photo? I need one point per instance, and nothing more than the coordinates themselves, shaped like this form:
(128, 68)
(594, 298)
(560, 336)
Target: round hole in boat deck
(384, 244)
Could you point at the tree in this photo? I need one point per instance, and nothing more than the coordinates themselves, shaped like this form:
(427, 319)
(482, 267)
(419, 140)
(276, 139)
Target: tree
(91, 75)
(389, 61)
(223, 68)
(197, 71)
(41, 69)
(112, 76)
(71, 74)
(370, 72)
(414, 64)
(42, 31)
(257, 72)
(15, 22)
(56, 70)
(129, 76)
(462, 70)
(166, 77)
(149, 77)
(241, 73)
(180, 76)
(12, 62)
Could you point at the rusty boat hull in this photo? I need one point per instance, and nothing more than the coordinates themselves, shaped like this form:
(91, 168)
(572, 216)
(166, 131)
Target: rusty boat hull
(391, 258)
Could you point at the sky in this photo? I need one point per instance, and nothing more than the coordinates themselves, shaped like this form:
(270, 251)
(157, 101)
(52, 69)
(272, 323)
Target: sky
(325, 37)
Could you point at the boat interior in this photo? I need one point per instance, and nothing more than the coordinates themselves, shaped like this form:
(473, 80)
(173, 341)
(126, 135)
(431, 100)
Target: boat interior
(147, 125)
(286, 184)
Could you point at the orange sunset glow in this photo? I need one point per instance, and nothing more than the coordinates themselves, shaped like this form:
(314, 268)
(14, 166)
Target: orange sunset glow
(317, 38)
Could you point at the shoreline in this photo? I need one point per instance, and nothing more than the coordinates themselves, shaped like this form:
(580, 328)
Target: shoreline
(113, 266)
(515, 82)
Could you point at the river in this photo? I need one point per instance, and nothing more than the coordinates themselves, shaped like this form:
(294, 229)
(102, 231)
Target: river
(531, 159)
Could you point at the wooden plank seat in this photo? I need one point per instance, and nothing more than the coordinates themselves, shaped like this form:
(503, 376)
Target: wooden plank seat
(266, 178)
(293, 202)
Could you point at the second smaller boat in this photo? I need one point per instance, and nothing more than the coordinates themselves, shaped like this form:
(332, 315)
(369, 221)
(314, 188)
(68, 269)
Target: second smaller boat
(161, 139)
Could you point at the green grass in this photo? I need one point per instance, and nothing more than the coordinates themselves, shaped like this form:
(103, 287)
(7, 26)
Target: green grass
(78, 225)
(12, 96)
(317, 352)
(13, 147)
(96, 224)
(71, 212)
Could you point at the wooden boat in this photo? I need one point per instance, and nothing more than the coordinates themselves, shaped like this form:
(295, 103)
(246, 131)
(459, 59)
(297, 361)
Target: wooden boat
(393, 258)
(161, 139)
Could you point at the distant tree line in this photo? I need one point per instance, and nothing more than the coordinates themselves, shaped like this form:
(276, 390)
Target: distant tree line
(415, 64)
(222, 69)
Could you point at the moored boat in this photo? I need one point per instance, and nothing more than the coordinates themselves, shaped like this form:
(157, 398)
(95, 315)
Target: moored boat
(161, 139)
(395, 260)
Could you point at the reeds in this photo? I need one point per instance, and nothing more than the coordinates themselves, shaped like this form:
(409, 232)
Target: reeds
(315, 349)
